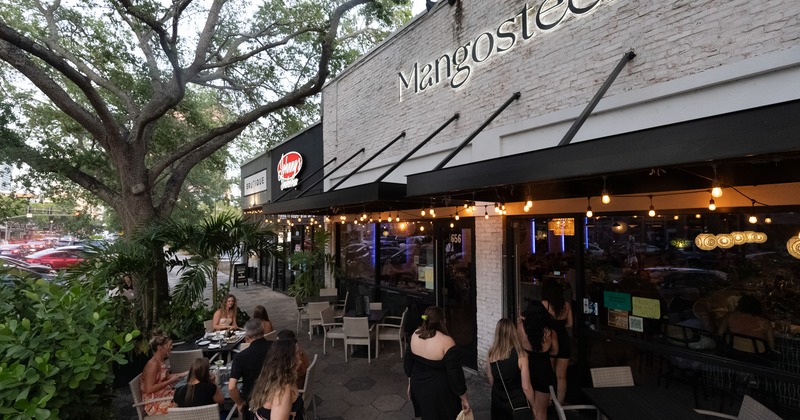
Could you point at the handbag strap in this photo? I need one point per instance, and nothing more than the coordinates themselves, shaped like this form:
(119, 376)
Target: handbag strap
(504, 385)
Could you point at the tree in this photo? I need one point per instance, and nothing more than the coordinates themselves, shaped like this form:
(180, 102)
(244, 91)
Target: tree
(123, 99)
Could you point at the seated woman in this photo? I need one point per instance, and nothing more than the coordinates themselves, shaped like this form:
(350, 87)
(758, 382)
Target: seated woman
(157, 381)
(261, 313)
(276, 390)
(200, 388)
(748, 319)
(225, 316)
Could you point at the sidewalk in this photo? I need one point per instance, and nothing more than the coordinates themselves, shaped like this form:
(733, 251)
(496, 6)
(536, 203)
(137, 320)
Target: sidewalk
(353, 390)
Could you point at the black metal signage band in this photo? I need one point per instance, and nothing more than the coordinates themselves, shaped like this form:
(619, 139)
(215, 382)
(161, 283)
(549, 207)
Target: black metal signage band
(361, 150)
(597, 96)
(304, 179)
(363, 164)
(474, 134)
(417, 147)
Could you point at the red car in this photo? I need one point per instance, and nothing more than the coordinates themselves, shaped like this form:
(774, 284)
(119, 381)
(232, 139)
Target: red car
(57, 258)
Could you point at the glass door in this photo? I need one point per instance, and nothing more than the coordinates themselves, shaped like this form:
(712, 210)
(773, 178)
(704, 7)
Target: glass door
(457, 296)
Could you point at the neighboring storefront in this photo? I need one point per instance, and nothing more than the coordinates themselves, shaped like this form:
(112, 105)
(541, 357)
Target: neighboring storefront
(695, 95)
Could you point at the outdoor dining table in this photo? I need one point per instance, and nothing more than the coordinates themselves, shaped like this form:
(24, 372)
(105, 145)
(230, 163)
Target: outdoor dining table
(209, 345)
(640, 402)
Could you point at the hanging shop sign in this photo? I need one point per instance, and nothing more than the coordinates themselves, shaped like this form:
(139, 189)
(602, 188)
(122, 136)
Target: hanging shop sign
(255, 183)
(456, 67)
(288, 168)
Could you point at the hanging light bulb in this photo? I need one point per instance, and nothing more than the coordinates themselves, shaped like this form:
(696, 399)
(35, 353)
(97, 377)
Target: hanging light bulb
(422, 228)
(457, 216)
(675, 217)
(452, 224)
(767, 219)
(652, 211)
(589, 212)
(529, 203)
(712, 205)
(389, 219)
(465, 206)
(604, 196)
(753, 219)
(422, 212)
(299, 220)
(472, 208)
(485, 213)
(397, 216)
(716, 189)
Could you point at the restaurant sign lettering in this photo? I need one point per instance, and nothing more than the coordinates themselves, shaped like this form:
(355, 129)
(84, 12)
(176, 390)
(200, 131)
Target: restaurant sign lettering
(522, 27)
(289, 167)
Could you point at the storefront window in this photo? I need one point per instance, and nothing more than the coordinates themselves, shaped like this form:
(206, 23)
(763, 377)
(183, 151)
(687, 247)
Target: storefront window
(358, 252)
(407, 260)
(544, 249)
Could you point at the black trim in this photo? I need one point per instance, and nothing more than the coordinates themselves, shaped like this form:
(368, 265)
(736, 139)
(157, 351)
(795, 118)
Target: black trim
(374, 196)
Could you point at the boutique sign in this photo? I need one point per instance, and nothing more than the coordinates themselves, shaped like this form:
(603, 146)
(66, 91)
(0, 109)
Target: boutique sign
(288, 168)
(456, 68)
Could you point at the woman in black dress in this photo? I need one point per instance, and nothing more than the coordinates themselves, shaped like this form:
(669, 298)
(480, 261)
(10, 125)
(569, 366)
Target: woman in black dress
(275, 391)
(540, 341)
(200, 388)
(561, 311)
(507, 370)
(436, 384)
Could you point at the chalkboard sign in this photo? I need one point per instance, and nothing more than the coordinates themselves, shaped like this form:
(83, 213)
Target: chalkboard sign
(239, 274)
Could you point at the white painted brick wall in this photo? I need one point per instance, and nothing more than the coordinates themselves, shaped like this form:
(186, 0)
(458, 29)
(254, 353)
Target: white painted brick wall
(557, 70)
(489, 278)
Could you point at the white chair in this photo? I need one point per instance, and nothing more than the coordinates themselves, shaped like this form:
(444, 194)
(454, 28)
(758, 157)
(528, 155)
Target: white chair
(612, 376)
(330, 328)
(181, 361)
(308, 392)
(358, 332)
(341, 307)
(203, 412)
(375, 306)
(750, 410)
(329, 291)
(314, 320)
(136, 393)
(208, 325)
(243, 345)
(560, 409)
(302, 313)
(391, 332)
(271, 336)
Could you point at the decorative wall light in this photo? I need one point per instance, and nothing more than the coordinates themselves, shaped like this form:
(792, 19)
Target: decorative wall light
(652, 211)
(619, 227)
(767, 219)
(738, 238)
(793, 246)
(604, 196)
(725, 240)
(706, 241)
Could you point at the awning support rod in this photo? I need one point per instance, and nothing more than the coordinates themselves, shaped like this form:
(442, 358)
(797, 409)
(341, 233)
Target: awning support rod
(361, 150)
(417, 147)
(304, 179)
(475, 133)
(363, 164)
(597, 96)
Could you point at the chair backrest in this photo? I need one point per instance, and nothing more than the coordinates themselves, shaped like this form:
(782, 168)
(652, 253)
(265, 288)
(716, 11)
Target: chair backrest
(203, 412)
(314, 308)
(327, 315)
(328, 291)
(754, 410)
(271, 336)
(309, 391)
(346, 297)
(357, 326)
(559, 409)
(403, 321)
(375, 306)
(181, 361)
(208, 325)
(745, 343)
(612, 376)
(136, 393)
(298, 302)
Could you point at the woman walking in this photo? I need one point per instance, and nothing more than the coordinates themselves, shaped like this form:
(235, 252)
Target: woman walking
(540, 341)
(561, 311)
(436, 384)
(507, 370)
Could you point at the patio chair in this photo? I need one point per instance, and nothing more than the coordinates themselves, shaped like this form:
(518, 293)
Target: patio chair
(314, 320)
(309, 391)
(750, 410)
(136, 393)
(203, 412)
(328, 291)
(271, 336)
(181, 361)
(391, 332)
(612, 376)
(341, 307)
(375, 306)
(330, 328)
(358, 332)
(561, 409)
(302, 313)
(208, 325)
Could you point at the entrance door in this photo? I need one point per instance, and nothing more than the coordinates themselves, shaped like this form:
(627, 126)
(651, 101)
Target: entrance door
(456, 290)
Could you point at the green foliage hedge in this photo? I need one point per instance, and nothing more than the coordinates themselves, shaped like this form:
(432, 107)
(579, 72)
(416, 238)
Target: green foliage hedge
(57, 346)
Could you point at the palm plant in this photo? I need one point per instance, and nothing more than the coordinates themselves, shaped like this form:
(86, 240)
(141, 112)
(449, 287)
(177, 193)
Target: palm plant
(311, 265)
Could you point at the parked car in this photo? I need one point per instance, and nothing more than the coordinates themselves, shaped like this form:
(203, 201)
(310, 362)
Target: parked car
(37, 245)
(68, 241)
(14, 250)
(13, 262)
(58, 258)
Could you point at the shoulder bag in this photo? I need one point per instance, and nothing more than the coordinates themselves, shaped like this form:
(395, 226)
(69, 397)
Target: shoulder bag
(520, 413)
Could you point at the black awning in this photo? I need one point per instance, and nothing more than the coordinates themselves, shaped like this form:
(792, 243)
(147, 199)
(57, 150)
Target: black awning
(760, 132)
(375, 196)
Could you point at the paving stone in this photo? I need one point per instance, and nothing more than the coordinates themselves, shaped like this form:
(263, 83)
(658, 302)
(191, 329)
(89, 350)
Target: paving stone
(362, 412)
(388, 403)
(360, 384)
(360, 397)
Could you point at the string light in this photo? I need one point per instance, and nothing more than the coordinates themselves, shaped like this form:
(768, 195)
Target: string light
(452, 224)
(589, 212)
(767, 219)
(605, 198)
(652, 211)
(422, 212)
(485, 213)
(753, 219)
(712, 205)
(397, 216)
(716, 189)
(457, 217)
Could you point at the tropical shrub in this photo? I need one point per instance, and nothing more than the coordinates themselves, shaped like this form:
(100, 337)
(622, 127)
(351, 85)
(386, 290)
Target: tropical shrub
(58, 343)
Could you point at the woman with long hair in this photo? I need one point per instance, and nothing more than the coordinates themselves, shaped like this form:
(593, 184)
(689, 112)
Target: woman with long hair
(540, 341)
(200, 388)
(261, 313)
(156, 380)
(275, 389)
(225, 315)
(436, 384)
(561, 311)
(508, 372)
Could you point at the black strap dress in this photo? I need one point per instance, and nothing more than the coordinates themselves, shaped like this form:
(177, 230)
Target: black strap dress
(541, 370)
(436, 385)
(510, 375)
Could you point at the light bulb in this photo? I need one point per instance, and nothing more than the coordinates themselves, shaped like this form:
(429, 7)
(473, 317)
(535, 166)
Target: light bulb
(422, 212)
(529, 203)
(364, 216)
(526, 208)
(457, 217)
(675, 217)
(716, 190)
(712, 205)
(767, 220)
(605, 197)
(422, 228)
(753, 219)
(589, 212)
(451, 224)
(485, 213)
(472, 208)
(397, 218)
(465, 206)
(651, 212)
(389, 219)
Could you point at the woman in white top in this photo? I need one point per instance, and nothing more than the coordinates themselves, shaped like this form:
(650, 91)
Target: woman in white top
(225, 316)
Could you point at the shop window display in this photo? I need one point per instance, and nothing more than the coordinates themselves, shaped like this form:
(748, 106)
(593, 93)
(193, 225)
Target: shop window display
(407, 260)
(358, 252)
